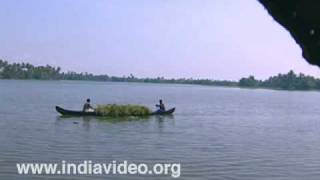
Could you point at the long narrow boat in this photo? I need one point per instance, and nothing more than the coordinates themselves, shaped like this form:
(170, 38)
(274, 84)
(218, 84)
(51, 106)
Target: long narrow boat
(74, 113)
(167, 112)
(66, 112)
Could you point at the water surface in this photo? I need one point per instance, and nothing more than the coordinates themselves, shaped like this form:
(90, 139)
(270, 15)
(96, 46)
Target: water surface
(216, 133)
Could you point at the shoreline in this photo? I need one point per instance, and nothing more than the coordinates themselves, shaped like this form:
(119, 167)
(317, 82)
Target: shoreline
(166, 83)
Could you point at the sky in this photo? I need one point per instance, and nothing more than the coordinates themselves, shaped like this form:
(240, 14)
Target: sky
(215, 39)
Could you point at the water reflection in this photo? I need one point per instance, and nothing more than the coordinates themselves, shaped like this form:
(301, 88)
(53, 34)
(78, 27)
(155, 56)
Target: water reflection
(105, 119)
(86, 121)
(166, 117)
(163, 120)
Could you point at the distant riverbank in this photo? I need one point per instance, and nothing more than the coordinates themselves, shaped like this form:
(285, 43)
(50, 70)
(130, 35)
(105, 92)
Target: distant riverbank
(25, 71)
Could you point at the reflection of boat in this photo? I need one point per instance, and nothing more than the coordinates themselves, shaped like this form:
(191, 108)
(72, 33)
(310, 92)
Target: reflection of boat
(81, 113)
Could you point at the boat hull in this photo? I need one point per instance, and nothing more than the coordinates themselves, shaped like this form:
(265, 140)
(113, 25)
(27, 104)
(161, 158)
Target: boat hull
(168, 112)
(74, 113)
(66, 112)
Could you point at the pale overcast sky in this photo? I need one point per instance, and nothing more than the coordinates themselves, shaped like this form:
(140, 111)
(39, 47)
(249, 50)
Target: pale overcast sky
(216, 39)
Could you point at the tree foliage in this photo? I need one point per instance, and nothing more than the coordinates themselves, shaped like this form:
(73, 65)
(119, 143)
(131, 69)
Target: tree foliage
(289, 81)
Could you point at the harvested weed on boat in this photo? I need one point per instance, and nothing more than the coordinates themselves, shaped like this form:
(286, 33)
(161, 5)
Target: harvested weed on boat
(113, 110)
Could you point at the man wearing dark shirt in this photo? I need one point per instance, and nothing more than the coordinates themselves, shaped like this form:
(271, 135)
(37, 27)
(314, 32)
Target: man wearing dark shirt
(161, 106)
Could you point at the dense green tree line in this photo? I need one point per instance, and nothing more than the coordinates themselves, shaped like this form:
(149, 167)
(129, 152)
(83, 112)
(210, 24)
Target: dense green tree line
(28, 71)
(289, 81)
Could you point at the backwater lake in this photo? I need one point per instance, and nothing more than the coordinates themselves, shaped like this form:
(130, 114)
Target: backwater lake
(215, 133)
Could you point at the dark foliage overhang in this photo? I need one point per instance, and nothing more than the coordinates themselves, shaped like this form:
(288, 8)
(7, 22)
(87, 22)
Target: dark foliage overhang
(302, 19)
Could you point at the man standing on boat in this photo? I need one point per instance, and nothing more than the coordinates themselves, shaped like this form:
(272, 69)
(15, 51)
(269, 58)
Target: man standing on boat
(87, 107)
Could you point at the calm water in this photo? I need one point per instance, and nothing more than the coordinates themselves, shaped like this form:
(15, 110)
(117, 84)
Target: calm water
(216, 133)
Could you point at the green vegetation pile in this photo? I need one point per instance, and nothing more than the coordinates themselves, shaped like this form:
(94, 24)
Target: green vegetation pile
(113, 110)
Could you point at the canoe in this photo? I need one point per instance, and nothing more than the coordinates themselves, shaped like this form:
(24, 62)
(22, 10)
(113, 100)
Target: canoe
(167, 112)
(66, 112)
(74, 113)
